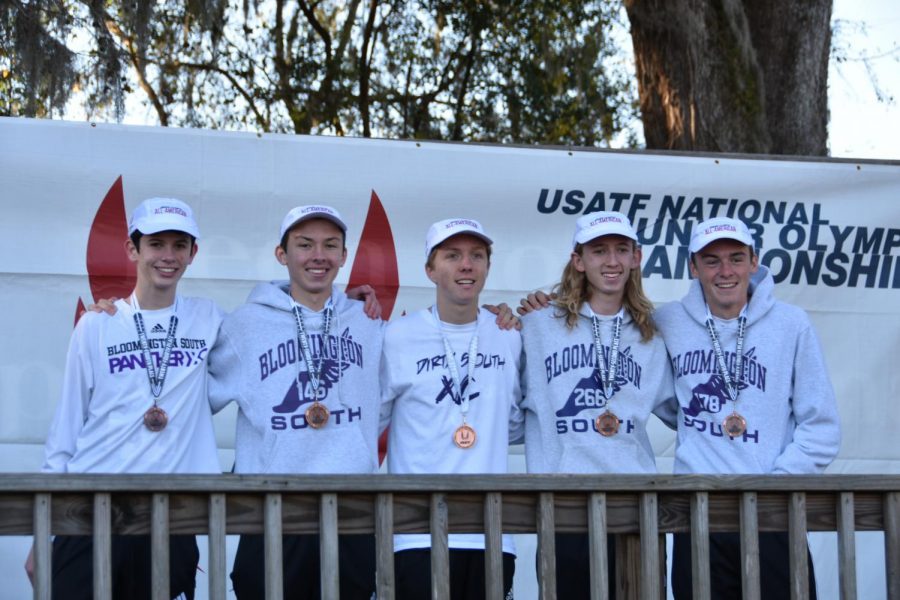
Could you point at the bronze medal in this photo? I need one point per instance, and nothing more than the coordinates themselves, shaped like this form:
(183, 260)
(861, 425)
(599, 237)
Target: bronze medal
(155, 419)
(317, 416)
(734, 425)
(607, 424)
(464, 436)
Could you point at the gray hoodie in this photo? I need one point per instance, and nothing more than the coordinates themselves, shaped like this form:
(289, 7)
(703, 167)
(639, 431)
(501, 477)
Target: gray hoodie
(257, 362)
(785, 394)
(563, 396)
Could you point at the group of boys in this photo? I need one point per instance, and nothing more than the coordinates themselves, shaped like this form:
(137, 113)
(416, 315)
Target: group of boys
(304, 362)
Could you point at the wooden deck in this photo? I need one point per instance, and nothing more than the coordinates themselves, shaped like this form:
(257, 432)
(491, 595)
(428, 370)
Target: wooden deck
(640, 509)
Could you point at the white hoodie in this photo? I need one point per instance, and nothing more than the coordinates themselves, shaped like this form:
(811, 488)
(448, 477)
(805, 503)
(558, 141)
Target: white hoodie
(785, 394)
(258, 363)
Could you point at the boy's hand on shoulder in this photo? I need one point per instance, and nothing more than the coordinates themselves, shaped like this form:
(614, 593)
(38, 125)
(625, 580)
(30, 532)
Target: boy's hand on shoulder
(535, 301)
(506, 319)
(104, 305)
(366, 293)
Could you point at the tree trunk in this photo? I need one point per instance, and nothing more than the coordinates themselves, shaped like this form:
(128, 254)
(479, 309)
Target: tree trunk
(793, 41)
(733, 76)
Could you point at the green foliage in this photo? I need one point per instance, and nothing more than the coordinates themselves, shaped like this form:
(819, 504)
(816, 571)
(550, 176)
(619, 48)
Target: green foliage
(517, 71)
(36, 67)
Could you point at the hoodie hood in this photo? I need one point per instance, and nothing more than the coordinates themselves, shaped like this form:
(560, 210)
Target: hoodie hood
(762, 299)
(277, 294)
(586, 312)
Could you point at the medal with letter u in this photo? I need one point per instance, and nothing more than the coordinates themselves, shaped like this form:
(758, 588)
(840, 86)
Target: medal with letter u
(464, 436)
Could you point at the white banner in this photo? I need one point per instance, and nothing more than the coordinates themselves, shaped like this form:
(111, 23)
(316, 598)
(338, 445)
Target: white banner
(829, 230)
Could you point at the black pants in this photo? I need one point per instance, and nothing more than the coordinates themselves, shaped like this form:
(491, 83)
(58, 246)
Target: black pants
(725, 566)
(73, 571)
(573, 569)
(412, 572)
(300, 563)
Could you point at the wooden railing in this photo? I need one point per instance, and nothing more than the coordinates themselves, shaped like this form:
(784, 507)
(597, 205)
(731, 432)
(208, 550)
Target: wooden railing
(639, 508)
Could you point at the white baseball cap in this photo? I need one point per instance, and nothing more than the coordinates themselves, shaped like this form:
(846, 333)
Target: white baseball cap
(720, 228)
(447, 228)
(597, 224)
(312, 211)
(163, 214)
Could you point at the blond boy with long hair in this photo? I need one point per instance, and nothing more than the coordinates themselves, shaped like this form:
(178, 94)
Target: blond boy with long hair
(595, 371)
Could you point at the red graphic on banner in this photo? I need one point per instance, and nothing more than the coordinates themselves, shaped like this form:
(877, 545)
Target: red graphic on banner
(109, 270)
(376, 258)
(110, 273)
(79, 310)
(376, 265)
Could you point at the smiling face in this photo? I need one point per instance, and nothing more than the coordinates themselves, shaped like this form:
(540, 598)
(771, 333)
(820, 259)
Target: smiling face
(607, 263)
(161, 259)
(724, 268)
(459, 267)
(313, 253)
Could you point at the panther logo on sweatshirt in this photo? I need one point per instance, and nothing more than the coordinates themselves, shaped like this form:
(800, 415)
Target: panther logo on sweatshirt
(301, 390)
(710, 397)
(588, 393)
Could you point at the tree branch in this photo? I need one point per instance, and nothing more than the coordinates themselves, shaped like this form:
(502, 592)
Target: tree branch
(316, 25)
(456, 134)
(284, 92)
(138, 64)
(364, 70)
(262, 121)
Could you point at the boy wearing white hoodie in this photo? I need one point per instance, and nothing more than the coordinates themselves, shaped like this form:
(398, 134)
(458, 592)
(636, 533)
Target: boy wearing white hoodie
(596, 371)
(301, 360)
(753, 392)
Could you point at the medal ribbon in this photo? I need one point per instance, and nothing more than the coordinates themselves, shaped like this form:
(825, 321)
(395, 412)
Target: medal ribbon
(314, 368)
(454, 366)
(157, 380)
(732, 384)
(607, 375)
